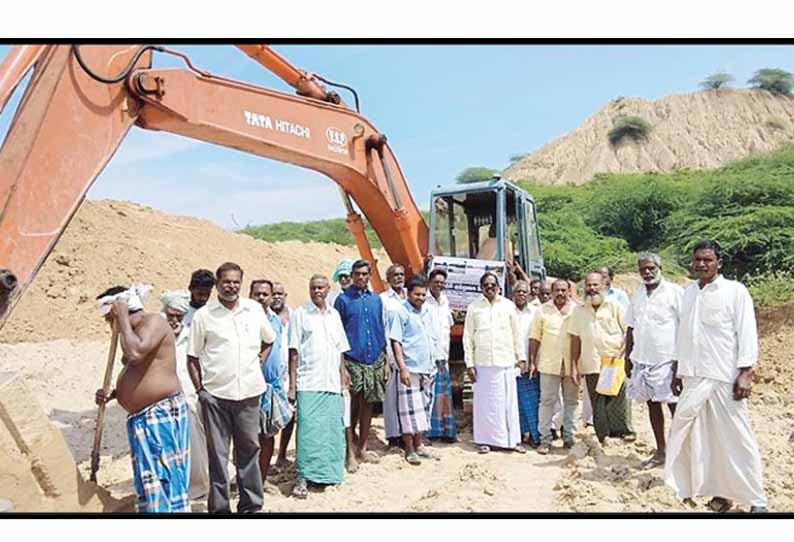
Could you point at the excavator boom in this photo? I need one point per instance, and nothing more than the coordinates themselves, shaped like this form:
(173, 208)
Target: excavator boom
(71, 120)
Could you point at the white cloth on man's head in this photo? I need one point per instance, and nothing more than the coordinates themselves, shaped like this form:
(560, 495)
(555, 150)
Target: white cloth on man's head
(134, 296)
(176, 299)
(711, 450)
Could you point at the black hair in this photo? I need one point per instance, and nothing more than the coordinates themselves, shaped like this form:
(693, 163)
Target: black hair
(486, 275)
(564, 281)
(202, 278)
(417, 281)
(709, 244)
(112, 291)
(257, 282)
(438, 271)
(535, 281)
(358, 264)
(228, 266)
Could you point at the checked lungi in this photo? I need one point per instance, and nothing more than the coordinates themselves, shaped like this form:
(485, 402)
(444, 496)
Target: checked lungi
(159, 441)
(276, 410)
(529, 404)
(442, 419)
(413, 404)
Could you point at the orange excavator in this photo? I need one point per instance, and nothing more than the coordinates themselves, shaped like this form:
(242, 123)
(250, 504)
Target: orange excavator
(81, 101)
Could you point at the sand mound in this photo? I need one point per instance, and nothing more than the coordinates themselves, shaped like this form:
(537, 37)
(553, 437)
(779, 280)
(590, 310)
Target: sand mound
(697, 130)
(117, 242)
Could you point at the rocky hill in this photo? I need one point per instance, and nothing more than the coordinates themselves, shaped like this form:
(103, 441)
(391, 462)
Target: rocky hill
(699, 130)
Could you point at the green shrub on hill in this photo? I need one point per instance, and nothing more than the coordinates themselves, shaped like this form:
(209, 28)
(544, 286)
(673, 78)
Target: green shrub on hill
(632, 127)
(772, 289)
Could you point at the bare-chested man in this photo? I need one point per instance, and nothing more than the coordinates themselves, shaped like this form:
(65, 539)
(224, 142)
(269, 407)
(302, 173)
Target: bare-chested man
(148, 388)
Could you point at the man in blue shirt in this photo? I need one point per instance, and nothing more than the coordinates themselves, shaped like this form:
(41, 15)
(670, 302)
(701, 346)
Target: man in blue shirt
(613, 292)
(362, 317)
(412, 339)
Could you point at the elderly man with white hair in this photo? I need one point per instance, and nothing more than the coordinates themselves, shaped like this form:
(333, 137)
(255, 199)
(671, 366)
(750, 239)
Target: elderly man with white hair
(176, 304)
(652, 324)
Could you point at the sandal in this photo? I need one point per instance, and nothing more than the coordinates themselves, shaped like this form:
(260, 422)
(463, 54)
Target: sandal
(652, 462)
(720, 505)
(483, 449)
(544, 449)
(519, 449)
(301, 490)
(630, 437)
(422, 451)
(413, 459)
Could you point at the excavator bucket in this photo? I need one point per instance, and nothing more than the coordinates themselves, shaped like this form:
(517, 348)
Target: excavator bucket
(65, 130)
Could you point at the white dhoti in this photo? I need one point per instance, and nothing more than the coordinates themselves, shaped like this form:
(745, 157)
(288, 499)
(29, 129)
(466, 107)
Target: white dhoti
(495, 405)
(391, 422)
(651, 383)
(711, 450)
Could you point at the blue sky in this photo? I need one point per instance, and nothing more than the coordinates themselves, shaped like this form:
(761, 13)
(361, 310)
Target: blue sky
(443, 108)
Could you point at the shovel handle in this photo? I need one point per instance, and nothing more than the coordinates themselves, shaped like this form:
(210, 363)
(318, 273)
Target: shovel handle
(100, 415)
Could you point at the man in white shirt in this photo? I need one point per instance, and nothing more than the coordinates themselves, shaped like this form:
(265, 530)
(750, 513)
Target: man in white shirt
(442, 415)
(393, 299)
(652, 326)
(491, 352)
(229, 338)
(711, 449)
(317, 377)
(528, 387)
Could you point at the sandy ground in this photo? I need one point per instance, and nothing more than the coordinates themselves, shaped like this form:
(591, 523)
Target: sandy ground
(64, 374)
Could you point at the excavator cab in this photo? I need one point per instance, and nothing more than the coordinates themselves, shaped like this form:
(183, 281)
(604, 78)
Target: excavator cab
(493, 221)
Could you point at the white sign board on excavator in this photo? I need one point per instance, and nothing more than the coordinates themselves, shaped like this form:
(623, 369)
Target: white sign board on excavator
(463, 278)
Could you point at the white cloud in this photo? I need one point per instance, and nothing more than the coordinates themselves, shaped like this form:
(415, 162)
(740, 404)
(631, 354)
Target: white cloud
(141, 146)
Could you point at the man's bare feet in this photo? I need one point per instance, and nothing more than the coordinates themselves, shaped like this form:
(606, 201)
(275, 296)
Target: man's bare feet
(351, 465)
(367, 456)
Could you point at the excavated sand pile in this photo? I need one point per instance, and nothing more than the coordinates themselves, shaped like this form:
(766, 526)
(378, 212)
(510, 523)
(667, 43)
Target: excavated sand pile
(699, 130)
(118, 242)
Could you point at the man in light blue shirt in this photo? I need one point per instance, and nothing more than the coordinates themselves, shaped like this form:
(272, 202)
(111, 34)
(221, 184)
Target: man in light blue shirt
(411, 335)
(613, 292)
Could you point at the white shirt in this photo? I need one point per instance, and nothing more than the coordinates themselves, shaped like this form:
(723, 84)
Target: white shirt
(655, 320)
(227, 344)
(525, 317)
(442, 324)
(717, 334)
(490, 334)
(391, 303)
(319, 339)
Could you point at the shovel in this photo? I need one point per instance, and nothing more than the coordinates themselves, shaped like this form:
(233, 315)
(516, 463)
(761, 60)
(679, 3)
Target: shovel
(100, 415)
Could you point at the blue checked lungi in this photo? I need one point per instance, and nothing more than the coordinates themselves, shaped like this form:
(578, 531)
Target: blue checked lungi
(442, 419)
(160, 446)
(276, 410)
(528, 404)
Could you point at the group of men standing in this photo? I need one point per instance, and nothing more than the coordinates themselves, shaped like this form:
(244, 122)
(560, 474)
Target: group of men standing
(700, 344)
(251, 368)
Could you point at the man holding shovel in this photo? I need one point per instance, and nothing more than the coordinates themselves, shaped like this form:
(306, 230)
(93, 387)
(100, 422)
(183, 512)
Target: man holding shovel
(148, 388)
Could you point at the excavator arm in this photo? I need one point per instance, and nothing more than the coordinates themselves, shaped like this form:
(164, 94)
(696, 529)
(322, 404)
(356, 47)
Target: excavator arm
(76, 111)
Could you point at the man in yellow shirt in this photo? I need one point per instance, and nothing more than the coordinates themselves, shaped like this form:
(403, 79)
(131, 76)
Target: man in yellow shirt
(491, 352)
(597, 331)
(548, 353)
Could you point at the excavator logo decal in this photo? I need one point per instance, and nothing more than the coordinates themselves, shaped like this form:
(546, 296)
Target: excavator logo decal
(337, 140)
(284, 126)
